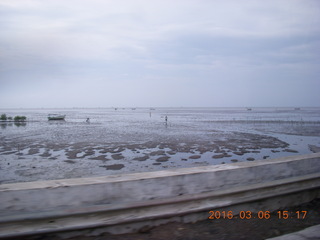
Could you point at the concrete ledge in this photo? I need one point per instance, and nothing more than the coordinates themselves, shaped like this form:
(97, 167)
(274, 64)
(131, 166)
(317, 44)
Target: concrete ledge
(310, 233)
(152, 198)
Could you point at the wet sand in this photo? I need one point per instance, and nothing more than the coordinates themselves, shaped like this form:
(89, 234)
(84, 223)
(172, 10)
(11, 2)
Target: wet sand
(29, 161)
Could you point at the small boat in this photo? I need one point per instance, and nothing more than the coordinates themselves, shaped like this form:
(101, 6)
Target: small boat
(56, 117)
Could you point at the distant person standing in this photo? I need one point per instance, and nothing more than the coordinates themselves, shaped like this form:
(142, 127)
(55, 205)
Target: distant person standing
(166, 119)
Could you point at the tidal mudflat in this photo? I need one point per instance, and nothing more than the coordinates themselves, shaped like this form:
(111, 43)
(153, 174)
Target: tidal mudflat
(137, 140)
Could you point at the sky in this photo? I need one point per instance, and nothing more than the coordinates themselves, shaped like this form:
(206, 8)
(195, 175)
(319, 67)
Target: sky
(159, 53)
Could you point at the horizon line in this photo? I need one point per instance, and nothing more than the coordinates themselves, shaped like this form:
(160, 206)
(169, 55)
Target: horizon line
(154, 107)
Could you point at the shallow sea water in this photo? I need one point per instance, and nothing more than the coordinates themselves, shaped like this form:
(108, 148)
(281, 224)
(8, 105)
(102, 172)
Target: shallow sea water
(136, 140)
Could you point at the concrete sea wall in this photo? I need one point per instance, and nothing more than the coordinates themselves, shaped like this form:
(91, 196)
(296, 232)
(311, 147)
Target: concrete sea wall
(128, 202)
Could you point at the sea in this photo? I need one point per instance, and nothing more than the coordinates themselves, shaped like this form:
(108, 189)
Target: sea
(105, 141)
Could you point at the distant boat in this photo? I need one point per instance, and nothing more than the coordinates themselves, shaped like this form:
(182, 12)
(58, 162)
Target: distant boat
(56, 117)
(297, 108)
(249, 109)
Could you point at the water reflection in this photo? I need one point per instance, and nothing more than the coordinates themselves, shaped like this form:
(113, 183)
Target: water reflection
(57, 122)
(4, 125)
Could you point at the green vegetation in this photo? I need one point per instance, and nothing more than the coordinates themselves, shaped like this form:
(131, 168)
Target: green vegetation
(4, 117)
(19, 118)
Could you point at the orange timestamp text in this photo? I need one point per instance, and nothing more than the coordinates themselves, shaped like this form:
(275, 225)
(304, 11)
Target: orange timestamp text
(257, 215)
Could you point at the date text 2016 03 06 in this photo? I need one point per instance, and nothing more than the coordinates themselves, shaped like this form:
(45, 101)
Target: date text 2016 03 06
(258, 215)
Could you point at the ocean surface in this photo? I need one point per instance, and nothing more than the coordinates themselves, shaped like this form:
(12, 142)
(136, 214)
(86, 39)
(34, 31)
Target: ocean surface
(125, 140)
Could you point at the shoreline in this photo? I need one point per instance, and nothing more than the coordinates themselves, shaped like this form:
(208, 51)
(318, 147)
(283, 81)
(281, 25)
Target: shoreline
(127, 141)
(30, 161)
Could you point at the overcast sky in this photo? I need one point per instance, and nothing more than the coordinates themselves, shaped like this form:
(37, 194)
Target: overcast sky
(159, 53)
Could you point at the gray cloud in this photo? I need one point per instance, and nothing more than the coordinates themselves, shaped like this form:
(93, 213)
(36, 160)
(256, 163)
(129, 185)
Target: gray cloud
(160, 53)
